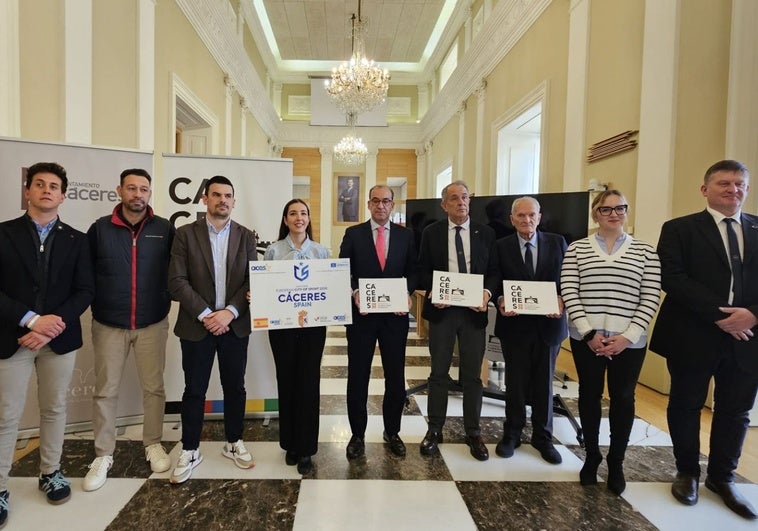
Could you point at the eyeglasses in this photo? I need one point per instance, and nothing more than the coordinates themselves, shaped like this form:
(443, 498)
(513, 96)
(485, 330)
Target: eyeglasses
(620, 210)
(376, 202)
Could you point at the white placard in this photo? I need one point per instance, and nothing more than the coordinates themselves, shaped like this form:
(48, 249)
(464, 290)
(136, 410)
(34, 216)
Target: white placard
(530, 298)
(457, 289)
(383, 295)
(300, 293)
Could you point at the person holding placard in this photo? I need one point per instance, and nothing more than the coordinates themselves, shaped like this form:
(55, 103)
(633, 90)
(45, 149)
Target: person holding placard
(530, 343)
(458, 244)
(297, 351)
(209, 275)
(377, 249)
(611, 286)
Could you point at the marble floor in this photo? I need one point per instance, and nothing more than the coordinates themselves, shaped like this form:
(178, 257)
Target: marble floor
(448, 492)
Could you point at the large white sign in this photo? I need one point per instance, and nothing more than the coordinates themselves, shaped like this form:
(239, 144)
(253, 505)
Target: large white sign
(300, 293)
(261, 188)
(383, 295)
(530, 297)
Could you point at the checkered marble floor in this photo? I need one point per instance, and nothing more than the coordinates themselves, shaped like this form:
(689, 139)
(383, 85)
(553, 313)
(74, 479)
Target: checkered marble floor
(451, 491)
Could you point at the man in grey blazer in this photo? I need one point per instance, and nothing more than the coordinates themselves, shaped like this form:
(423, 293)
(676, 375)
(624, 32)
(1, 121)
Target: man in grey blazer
(458, 244)
(706, 329)
(209, 276)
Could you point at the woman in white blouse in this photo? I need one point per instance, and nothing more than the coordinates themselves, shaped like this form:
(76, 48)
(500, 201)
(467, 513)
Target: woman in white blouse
(297, 351)
(610, 284)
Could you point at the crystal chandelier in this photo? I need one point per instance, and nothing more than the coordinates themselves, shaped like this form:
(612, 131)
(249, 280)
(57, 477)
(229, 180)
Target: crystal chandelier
(351, 151)
(358, 85)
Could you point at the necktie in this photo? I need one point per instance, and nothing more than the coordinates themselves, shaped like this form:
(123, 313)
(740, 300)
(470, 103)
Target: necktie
(381, 252)
(736, 261)
(459, 250)
(529, 259)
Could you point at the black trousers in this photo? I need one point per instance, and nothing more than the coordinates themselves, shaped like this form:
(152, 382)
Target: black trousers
(622, 373)
(471, 341)
(391, 332)
(297, 356)
(734, 395)
(197, 363)
(529, 367)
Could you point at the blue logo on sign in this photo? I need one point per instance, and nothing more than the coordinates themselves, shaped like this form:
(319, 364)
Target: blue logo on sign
(302, 271)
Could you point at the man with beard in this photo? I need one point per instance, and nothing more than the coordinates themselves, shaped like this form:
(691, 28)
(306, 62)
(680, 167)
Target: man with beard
(130, 252)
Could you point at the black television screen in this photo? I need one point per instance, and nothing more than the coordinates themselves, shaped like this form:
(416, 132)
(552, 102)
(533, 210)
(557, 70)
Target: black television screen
(563, 213)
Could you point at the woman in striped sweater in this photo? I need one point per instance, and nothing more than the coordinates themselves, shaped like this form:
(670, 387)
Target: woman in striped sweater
(610, 284)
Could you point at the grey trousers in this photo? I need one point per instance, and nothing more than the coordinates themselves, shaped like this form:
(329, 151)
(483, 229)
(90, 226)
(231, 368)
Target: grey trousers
(53, 378)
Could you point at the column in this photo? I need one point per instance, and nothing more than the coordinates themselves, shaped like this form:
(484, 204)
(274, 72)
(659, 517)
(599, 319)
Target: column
(243, 126)
(461, 141)
(370, 174)
(327, 201)
(576, 94)
(277, 98)
(78, 76)
(481, 93)
(431, 182)
(421, 184)
(229, 92)
(146, 75)
(10, 74)
(423, 99)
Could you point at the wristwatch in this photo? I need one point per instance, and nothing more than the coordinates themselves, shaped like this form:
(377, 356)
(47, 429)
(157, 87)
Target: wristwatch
(589, 335)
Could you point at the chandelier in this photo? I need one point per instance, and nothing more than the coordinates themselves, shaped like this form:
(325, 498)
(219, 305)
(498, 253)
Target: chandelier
(351, 151)
(358, 85)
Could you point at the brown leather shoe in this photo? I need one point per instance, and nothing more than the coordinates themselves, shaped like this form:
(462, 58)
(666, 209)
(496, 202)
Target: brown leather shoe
(684, 489)
(477, 448)
(431, 442)
(732, 498)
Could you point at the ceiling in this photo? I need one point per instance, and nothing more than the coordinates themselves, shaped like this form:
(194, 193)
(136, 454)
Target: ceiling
(309, 37)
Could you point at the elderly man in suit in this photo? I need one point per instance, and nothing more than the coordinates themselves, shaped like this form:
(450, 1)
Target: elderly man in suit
(706, 329)
(530, 343)
(208, 275)
(377, 248)
(46, 283)
(458, 244)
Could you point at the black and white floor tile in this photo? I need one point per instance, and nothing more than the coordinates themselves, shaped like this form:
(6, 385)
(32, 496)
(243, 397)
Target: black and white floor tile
(449, 492)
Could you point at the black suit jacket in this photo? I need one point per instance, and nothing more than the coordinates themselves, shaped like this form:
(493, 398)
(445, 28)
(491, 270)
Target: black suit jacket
(433, 256)
(191, 277)
(506, 263)
(358, 246)
(696, 276)
(70, 283)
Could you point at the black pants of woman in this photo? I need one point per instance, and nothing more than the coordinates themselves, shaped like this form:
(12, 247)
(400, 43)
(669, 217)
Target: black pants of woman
(297, 356)
(622, 371)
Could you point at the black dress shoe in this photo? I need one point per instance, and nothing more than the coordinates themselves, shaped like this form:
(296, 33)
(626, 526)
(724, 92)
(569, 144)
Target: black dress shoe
(304, 465)
(507, 445)
(396, 444)
(684, 489)
(477, 448)
(355, 448)
(549, 453)
(430, 444)
(290, 458)
(732, 498)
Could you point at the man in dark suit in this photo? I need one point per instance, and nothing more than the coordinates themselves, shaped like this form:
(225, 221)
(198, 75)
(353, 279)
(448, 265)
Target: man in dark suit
(455, 244)
(46, 283)
(377, 248)
(706, 329)
(530, 343)
(349, 200)
(208, 275)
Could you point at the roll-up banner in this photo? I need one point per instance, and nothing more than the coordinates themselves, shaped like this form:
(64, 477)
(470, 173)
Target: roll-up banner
(261, 188)
(93, 174)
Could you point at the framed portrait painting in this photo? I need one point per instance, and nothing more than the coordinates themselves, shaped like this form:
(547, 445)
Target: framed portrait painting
(348, 192)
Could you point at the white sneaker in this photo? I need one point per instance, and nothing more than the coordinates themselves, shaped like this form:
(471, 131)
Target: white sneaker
(157, 457)
(238, 453)
(98, 473)
(188, 460)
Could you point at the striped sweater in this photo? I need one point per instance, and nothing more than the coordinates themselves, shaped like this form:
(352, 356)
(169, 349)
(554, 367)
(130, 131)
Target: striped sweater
(615, 294)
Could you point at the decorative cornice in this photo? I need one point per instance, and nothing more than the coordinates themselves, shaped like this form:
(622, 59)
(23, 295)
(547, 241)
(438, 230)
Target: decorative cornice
(210, 22)
(508, 22)
(301, 134)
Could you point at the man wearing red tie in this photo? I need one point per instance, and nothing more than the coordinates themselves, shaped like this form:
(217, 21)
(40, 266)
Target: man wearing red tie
(377, 248)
